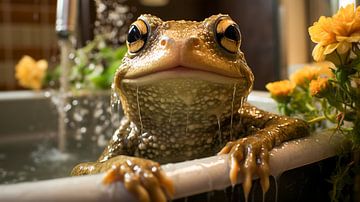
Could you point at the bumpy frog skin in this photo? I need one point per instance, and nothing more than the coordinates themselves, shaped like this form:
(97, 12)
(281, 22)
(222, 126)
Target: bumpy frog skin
(182, 86)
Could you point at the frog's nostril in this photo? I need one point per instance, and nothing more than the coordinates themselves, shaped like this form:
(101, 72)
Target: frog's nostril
(163, 42)
(193, 42)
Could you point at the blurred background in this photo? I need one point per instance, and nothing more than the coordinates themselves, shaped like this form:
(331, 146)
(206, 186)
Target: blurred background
(274, 32)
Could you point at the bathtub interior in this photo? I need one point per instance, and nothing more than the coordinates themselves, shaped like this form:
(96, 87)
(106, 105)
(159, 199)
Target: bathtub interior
(28, 135)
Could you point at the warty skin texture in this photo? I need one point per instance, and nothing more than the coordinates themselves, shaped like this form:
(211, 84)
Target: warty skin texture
(183, 95)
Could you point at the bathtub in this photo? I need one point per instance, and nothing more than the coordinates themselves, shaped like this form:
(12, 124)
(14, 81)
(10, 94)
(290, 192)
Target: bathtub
(39, 172)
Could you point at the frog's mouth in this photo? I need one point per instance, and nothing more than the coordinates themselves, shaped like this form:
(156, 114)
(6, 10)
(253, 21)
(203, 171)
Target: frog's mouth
(181, 72)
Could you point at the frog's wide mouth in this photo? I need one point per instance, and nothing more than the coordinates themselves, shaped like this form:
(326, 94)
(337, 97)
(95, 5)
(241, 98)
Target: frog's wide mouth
(181, 72)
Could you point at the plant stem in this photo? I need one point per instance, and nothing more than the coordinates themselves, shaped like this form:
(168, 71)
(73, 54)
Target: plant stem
(317, 119)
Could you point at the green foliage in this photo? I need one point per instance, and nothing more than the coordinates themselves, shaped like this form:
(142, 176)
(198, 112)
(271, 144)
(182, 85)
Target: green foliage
(338, 103)
(95, 65)
(93, 68)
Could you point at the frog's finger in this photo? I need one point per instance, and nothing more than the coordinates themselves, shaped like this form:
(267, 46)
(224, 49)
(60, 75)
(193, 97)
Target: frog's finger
(111, 176)
(248, 169)
(133, 184)
(226, 149)
(263, 170)
(236, 156)
(234, 170)
(151, 183)
(165, 182)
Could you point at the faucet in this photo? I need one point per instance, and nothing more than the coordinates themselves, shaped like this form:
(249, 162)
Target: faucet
(66, 18)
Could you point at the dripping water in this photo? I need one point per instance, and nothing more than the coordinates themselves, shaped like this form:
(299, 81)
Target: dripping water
(263, 196)
(276, 180)
(232, 192)
(219, 129)
(241, 105)
(139, 110)
(187, 122)
(232, 111)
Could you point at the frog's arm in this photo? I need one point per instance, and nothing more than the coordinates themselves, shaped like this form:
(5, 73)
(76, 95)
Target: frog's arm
(144, 178)
(265, 130)
(116, 147)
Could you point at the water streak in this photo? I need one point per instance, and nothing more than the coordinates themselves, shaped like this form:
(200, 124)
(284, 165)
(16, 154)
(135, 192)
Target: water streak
(276, 179)
(232, 111)
(187, 123)
(139, 110)
(219, 129)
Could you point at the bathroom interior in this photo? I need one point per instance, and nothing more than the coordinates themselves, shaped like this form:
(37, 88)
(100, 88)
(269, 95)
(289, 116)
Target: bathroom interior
(48, 126)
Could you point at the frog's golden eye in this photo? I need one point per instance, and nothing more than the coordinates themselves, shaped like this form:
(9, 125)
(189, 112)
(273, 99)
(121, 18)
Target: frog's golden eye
(228, 35)
(137, 36)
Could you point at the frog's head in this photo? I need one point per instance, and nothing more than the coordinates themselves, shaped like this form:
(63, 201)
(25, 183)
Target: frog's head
(174, 68)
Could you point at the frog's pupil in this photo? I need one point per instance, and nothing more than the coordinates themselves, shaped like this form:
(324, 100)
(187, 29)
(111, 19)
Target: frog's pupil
(134, 34)
(232, 33)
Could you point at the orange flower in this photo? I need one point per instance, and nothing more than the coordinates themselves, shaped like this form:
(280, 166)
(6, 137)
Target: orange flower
(303, 76)
(346, 26)
(325, 69)
(30, 73)
(318, 87)
(336, 33)
(321, 31)
(280, 88)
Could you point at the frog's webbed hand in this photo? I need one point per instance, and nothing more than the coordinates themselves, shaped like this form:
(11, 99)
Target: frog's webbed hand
(250, 155)
(144, 178)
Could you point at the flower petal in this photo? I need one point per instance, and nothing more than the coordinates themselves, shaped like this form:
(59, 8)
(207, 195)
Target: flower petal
(318, 53)
(330, 48)
(343, 47)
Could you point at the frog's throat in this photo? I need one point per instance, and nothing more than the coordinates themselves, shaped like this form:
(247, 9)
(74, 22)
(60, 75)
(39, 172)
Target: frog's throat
(181, 102)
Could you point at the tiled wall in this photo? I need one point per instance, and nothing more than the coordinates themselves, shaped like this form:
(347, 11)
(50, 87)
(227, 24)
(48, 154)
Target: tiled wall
(26, 27)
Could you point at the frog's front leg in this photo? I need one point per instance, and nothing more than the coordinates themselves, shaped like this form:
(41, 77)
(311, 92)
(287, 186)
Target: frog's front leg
(144, 178)
(250, 155)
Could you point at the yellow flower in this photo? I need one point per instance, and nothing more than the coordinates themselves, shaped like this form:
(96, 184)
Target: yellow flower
(30, 73)
(321, 31)
(280, 88)
(318, 87)
(303, 76)
(336, 33)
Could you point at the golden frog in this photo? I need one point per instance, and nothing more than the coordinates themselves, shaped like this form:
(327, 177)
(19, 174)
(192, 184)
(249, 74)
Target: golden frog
(183, 86)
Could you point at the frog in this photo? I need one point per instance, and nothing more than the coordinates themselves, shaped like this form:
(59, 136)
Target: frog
(183, 87)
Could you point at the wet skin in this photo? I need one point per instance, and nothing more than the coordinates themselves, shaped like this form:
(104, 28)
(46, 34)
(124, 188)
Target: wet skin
(183, 86)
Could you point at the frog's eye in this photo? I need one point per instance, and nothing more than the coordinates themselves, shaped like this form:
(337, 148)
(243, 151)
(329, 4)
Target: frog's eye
(228, 35)
(137, 36)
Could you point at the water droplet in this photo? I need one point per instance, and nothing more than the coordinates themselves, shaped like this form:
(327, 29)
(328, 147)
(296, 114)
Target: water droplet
(83, 130)
(75, 102)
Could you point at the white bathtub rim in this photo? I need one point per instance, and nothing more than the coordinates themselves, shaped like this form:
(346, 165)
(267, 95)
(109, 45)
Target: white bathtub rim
(190, 177)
